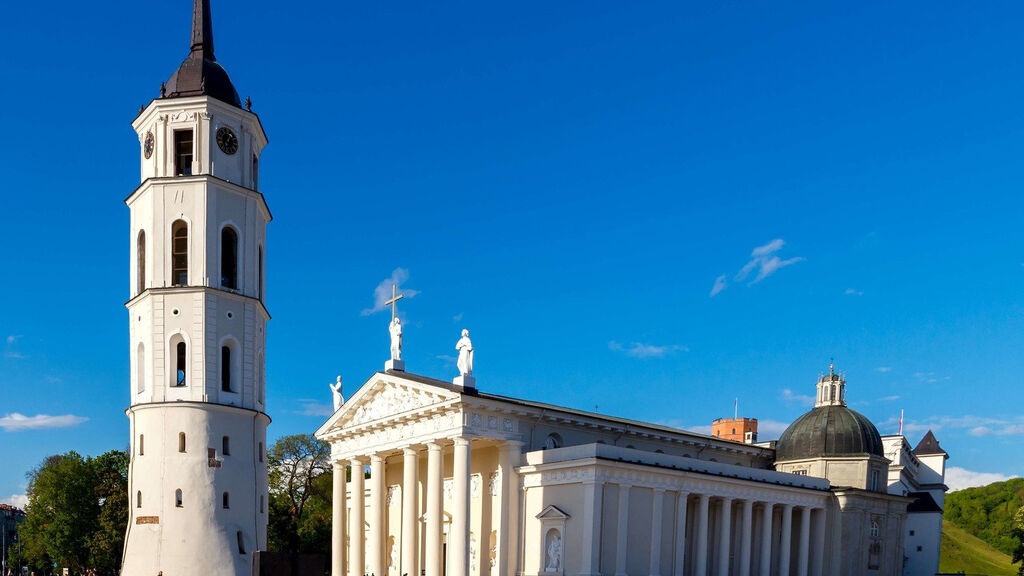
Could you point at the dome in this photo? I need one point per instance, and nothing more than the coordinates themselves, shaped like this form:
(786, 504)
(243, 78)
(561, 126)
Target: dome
(832, 430)
(200, 74)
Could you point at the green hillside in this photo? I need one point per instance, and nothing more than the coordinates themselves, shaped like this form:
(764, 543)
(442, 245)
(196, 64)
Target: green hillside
(987, 512)
(966, 553)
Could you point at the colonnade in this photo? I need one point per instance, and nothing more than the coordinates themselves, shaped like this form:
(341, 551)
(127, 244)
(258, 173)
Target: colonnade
(704, 529)
(369, 555)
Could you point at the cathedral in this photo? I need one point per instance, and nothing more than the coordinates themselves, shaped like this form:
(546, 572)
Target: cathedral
(438, 477)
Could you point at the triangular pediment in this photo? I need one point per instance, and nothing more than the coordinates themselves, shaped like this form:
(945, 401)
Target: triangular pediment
(383, 397)
(552, 513)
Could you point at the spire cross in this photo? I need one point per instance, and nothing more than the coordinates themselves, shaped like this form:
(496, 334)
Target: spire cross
(395, 297)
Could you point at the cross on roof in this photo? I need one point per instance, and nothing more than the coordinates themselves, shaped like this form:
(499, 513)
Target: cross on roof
(395, 297)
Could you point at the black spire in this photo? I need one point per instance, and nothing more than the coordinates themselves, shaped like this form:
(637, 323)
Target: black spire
(200, 74)
(202, 30)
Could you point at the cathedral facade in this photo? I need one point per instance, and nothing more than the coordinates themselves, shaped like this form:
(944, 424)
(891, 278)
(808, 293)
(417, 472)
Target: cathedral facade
(439, 479)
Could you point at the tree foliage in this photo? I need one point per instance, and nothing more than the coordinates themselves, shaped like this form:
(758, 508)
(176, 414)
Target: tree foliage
(77, 513)
(988, 512)
(1018, 533)
(300, 495)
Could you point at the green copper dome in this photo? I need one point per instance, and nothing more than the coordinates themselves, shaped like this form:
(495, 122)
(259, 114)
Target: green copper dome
(829, 431)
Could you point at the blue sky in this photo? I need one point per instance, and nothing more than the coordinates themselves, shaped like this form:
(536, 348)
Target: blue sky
(645, 209)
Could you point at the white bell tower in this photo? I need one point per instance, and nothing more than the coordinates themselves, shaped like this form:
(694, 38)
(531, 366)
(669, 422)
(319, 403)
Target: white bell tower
(197, 477)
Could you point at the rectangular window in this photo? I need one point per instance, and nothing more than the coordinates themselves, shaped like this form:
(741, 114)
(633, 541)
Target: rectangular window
(182, 152)
(225, 369)
(255, 172)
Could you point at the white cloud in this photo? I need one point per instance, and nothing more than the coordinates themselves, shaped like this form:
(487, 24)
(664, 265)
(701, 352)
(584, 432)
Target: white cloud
(13, 338)
(310, 408)
(973, 425)
(448, 359)
(770, 429)
(853, 292)
(892, 398)
(789, 396)
(720, 284)
(884, 369)
(763, 263)
(382, 293)
(764, 260)
(641, 350)
(16, 500)
(457, 317)
(14, 422)
(960, 478)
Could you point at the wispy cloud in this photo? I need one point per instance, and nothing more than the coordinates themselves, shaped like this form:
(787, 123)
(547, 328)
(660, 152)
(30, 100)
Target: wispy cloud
(447, 359)
(12, 338)
(960, 478)
(764, 261)
(457, 317)
(892, 398)
(16, 500)
(853, 292)
(312, 408)
(15, 422)
(790, 396)
(382, 293)
(642, 350)
(979, 426)
(884, 369)
(9, 351)
(720, 284)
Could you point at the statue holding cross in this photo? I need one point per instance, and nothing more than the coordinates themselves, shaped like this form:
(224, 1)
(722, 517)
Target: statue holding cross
(395, 329)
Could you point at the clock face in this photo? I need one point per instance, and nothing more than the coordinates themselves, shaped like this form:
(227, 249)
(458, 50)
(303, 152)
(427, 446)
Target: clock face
(227, 141)
(148, 145)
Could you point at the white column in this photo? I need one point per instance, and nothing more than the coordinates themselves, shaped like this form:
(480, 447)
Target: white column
(786, 547)
(375, 547)
(745, 530)
(818, 546)
(356, 561)
(725, 537)
(765, 568)
(459, 535)
(338, 519)
(657, 498)
(435, 502)
(410, 509)
(680, 562)
(511, 452)
(803, 553)
(622, 531)
(700, 559)
(590, 558)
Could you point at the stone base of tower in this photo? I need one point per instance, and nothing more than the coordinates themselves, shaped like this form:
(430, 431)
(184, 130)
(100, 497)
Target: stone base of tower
(198, 490)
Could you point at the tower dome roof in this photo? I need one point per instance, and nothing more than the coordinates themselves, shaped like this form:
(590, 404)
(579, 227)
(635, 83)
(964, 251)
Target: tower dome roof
(829, 431)
(200, 74)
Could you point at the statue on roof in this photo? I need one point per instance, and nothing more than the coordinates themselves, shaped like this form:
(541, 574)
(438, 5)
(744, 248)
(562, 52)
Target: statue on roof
(465, 348)
(336, 393)
(396, 338)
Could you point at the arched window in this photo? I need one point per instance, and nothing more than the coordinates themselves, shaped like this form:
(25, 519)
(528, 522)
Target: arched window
(179, 253)
(259, 274)
(181, 441)
(874, 529)
(225, 502)
(241, 543)
(180, 363)
(226, 446)
(138, 499)
(140, 252)
(261, 451)
(553, 441)
(140, 368)
(229, 258)
(225, 368)
(142, 444)
(177, 498)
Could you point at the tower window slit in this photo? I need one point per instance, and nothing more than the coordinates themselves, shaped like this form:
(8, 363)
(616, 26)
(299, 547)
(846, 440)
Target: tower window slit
(141, 254)
(178, 502)
(179, 253)
(226, 446)
(142, 444)
(229, 258)
(181, 359)
(181, 441)
(138, 499)
(226, 501)
(225, 368)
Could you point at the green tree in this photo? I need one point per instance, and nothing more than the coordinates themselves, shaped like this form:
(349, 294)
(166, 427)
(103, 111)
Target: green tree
(76, 514)
(300, 495)
(1018, 533)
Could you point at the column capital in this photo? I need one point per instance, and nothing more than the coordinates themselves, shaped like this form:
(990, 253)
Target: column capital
(658, 490)
(433, 446)
(410, 451)
(461, 440)
(704, 497)
(357, 460)
(339, 464)
(376, 457)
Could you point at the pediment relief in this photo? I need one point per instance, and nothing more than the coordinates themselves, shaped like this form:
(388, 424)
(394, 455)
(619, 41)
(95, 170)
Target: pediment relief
(388, 399)
(552, 513)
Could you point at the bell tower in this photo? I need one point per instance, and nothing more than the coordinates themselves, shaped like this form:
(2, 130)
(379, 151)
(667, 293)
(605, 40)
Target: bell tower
(197, 322)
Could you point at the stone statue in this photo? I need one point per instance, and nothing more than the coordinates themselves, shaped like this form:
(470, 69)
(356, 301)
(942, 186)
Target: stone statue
(554, 554)
(336, 392)
(465, 348)
(396, 338)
